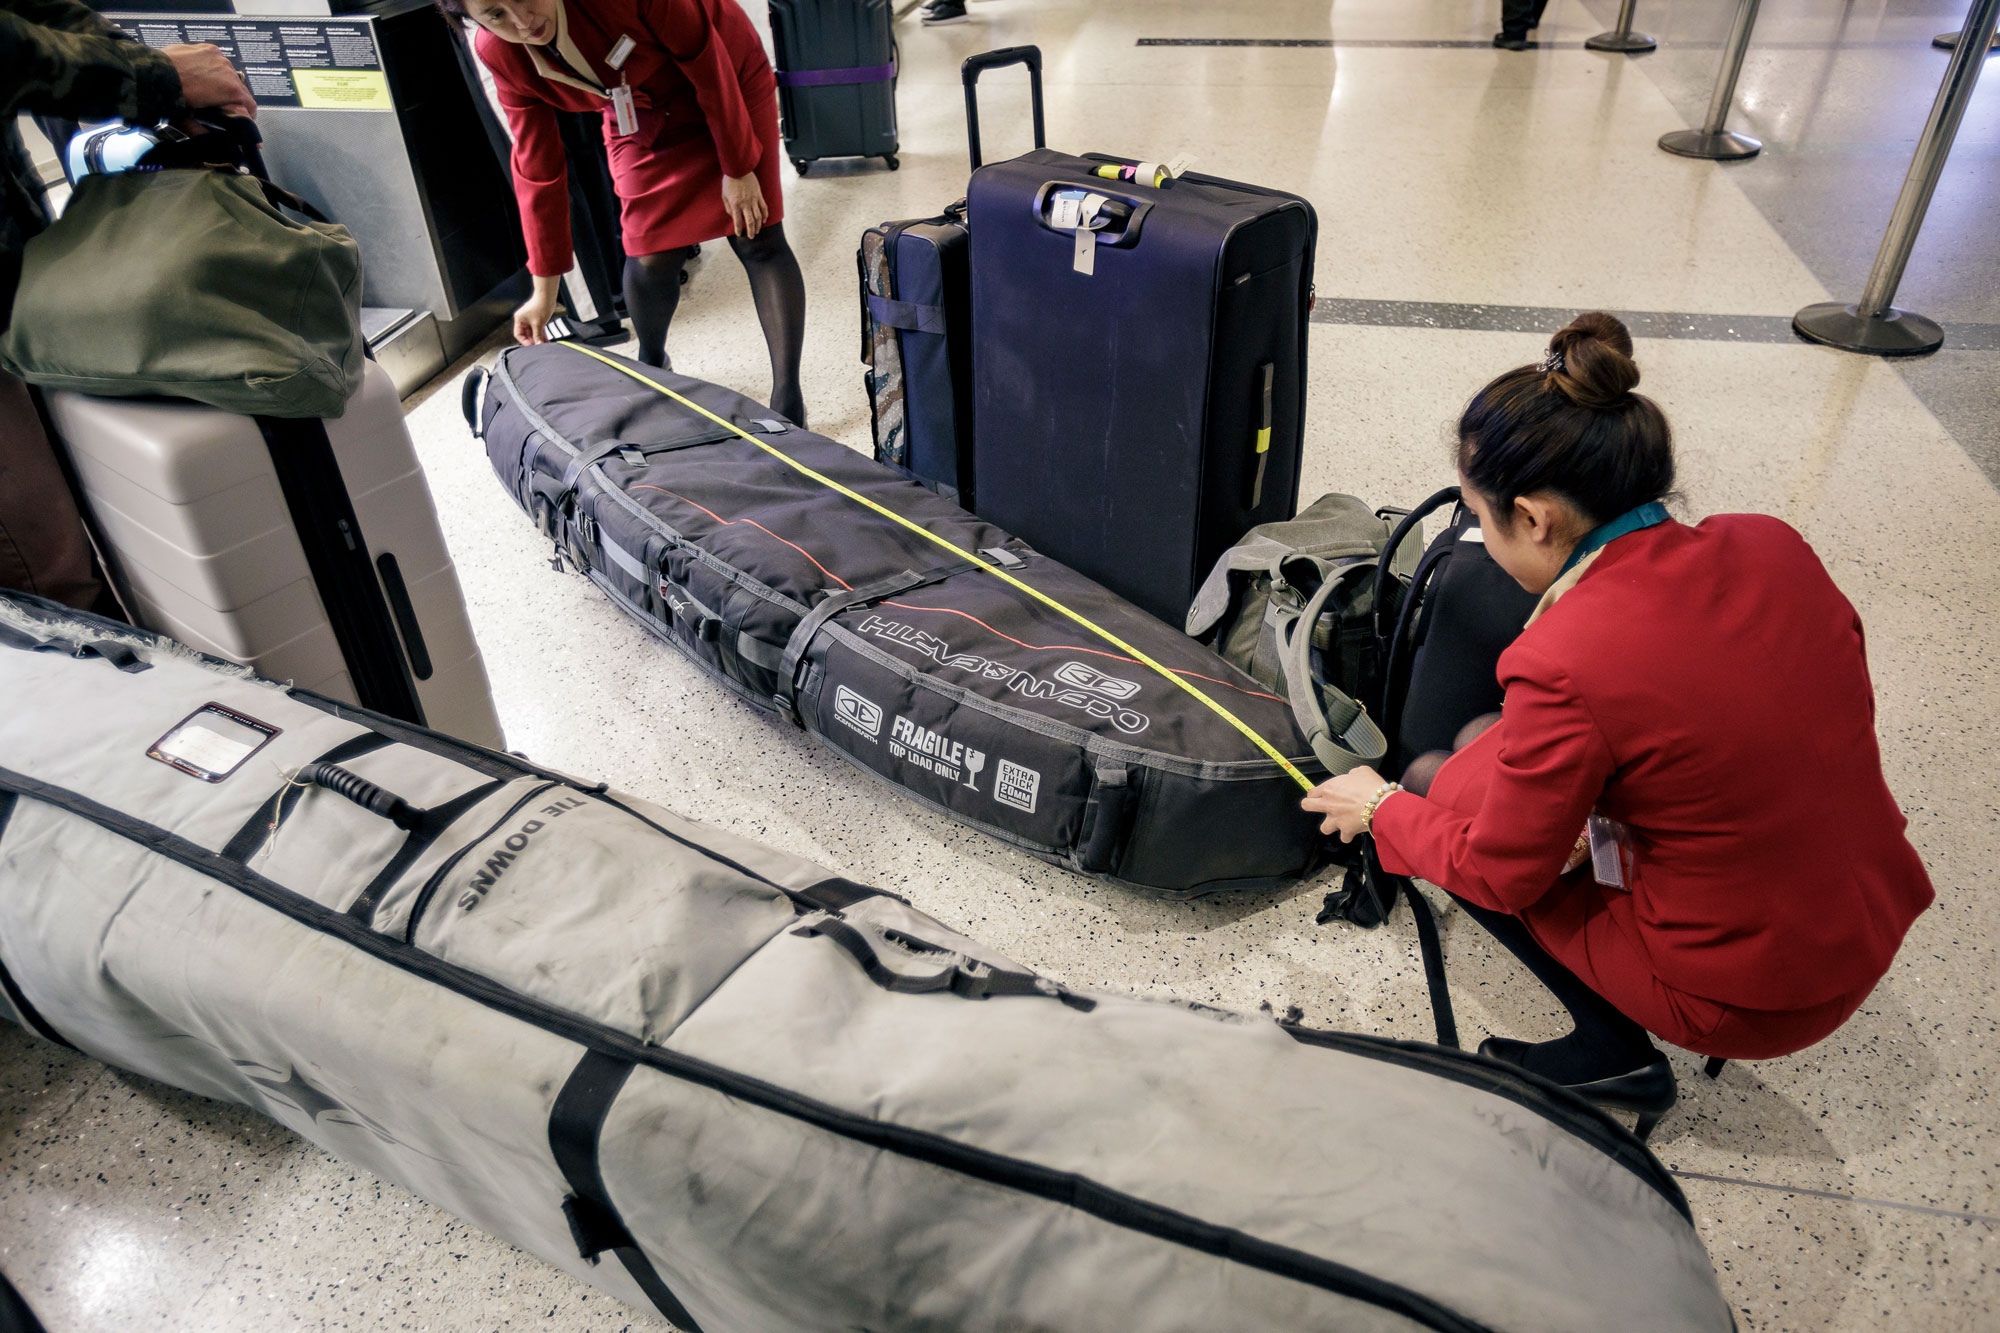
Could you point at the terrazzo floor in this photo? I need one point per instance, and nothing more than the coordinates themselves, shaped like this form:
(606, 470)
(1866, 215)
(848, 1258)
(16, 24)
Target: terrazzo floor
(1851, 1187)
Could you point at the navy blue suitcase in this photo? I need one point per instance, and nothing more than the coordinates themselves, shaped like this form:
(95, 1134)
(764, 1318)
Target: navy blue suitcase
(1134, 420)
(835, 62)
(916, 338)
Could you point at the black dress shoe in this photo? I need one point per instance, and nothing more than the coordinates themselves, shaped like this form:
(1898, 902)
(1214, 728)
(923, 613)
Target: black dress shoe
(1511, 41)
(1647, 1092)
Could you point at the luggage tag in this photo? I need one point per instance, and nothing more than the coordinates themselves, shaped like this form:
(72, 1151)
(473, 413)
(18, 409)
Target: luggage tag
(1611, 854)
(1084, 260)
(621, 96)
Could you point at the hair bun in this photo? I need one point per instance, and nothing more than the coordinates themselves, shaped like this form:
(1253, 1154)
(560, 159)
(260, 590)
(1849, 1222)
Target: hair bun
(1595, 366)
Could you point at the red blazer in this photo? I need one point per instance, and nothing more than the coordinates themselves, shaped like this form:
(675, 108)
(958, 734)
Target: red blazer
(696, 70)
(1708, 687)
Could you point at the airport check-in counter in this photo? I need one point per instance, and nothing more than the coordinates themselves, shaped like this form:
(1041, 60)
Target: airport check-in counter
(370, 113)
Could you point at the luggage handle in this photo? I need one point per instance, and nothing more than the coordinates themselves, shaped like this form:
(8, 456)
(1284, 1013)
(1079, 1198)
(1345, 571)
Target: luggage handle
(974, 66)
(1384, 562)
(1116, 222)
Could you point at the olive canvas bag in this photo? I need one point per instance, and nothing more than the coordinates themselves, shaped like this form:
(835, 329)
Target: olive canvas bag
(191, 283)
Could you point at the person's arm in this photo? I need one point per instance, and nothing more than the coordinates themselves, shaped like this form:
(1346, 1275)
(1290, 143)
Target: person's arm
(1549, 770)
(60, 59)
(541, 188)
(687, 29)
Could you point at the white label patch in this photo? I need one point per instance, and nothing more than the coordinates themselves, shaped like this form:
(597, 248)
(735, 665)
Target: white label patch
(863, 715)
(204, 749)
(1090, 678)
(212, 742)
(1016, 785)
(936, 753)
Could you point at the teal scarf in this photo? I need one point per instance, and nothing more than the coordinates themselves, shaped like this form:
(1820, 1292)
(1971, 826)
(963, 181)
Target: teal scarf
(1645, 516)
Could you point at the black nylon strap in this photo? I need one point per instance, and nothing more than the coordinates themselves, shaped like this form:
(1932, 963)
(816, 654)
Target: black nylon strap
(28, 1012)
(1428, 944)
(832, 605)
(575, 1125)
(118, 654)
(836, 895)
(435, 821)
(980, 984)
(589, 458)
(911, 315)
(264, 821)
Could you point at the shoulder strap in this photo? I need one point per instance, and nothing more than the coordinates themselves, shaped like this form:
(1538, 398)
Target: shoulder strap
(809, 626)
(1342, 736)
(576, 1127)
(1386, 564)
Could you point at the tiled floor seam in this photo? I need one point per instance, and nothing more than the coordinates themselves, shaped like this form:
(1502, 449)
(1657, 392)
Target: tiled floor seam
(1442, 43)
(1956, 1214)
(1676, 324)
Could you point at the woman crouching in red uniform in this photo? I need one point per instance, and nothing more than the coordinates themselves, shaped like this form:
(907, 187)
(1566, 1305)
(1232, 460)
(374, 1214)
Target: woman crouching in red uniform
(1703, 686)
(690, 112)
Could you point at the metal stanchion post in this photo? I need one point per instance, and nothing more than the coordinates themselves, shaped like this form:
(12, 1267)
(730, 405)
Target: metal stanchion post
(1621, 38)
(1873, 324)
(1711, 140)
(1945, 41)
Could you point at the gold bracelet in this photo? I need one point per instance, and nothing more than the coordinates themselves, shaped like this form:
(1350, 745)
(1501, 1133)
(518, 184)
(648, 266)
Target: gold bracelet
(1381, 795)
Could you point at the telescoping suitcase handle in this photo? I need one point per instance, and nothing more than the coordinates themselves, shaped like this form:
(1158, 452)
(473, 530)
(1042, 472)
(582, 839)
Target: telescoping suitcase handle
(974, 66)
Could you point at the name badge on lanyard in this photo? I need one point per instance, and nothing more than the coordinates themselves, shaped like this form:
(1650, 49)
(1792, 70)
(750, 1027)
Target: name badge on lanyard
(621, 96)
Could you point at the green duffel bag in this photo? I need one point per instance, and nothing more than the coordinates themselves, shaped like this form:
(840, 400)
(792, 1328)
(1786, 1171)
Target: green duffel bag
(191, 283)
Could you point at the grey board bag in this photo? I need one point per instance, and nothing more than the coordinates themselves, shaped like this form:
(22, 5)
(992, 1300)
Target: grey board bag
(1293, 605)
(718, 1081)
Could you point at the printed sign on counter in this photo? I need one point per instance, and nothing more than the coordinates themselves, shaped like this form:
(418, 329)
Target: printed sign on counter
(319, 64)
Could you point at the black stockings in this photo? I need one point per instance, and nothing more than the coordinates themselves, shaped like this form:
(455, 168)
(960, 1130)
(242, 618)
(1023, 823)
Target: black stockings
(653, 291)
(652, 294)
(1605, 1042)
(779, 290)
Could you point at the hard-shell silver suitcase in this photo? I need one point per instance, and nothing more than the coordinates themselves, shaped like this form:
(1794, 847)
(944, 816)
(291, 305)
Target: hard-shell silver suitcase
(308, 550)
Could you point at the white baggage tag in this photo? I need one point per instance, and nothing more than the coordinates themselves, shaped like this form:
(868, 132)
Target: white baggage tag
(1084, 259)
(621, 107)
(1066, 213)
(620, 52)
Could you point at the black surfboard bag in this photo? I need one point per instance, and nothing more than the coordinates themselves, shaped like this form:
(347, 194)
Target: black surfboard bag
(925, 646)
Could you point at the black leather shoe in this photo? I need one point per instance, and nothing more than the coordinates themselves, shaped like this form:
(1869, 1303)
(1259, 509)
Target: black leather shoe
(1647, 1092)
(1511, 41)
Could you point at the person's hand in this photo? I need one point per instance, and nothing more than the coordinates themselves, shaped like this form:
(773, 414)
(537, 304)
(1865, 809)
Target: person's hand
(534, 315)
(1342, 800)
(743, 201)
(209, 80)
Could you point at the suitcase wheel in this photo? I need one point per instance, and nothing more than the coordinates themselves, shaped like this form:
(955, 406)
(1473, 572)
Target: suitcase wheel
(890, 158)
(799, 165)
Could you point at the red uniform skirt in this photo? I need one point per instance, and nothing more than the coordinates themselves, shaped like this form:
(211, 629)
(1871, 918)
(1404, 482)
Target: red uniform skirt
(669, 178)
(1595, 933)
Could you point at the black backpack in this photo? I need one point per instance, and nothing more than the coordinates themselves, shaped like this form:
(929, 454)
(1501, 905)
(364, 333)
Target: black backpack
(1439, 638)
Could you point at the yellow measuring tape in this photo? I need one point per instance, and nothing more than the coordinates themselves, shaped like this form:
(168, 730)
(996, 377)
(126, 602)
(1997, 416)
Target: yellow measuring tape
(962, 554)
